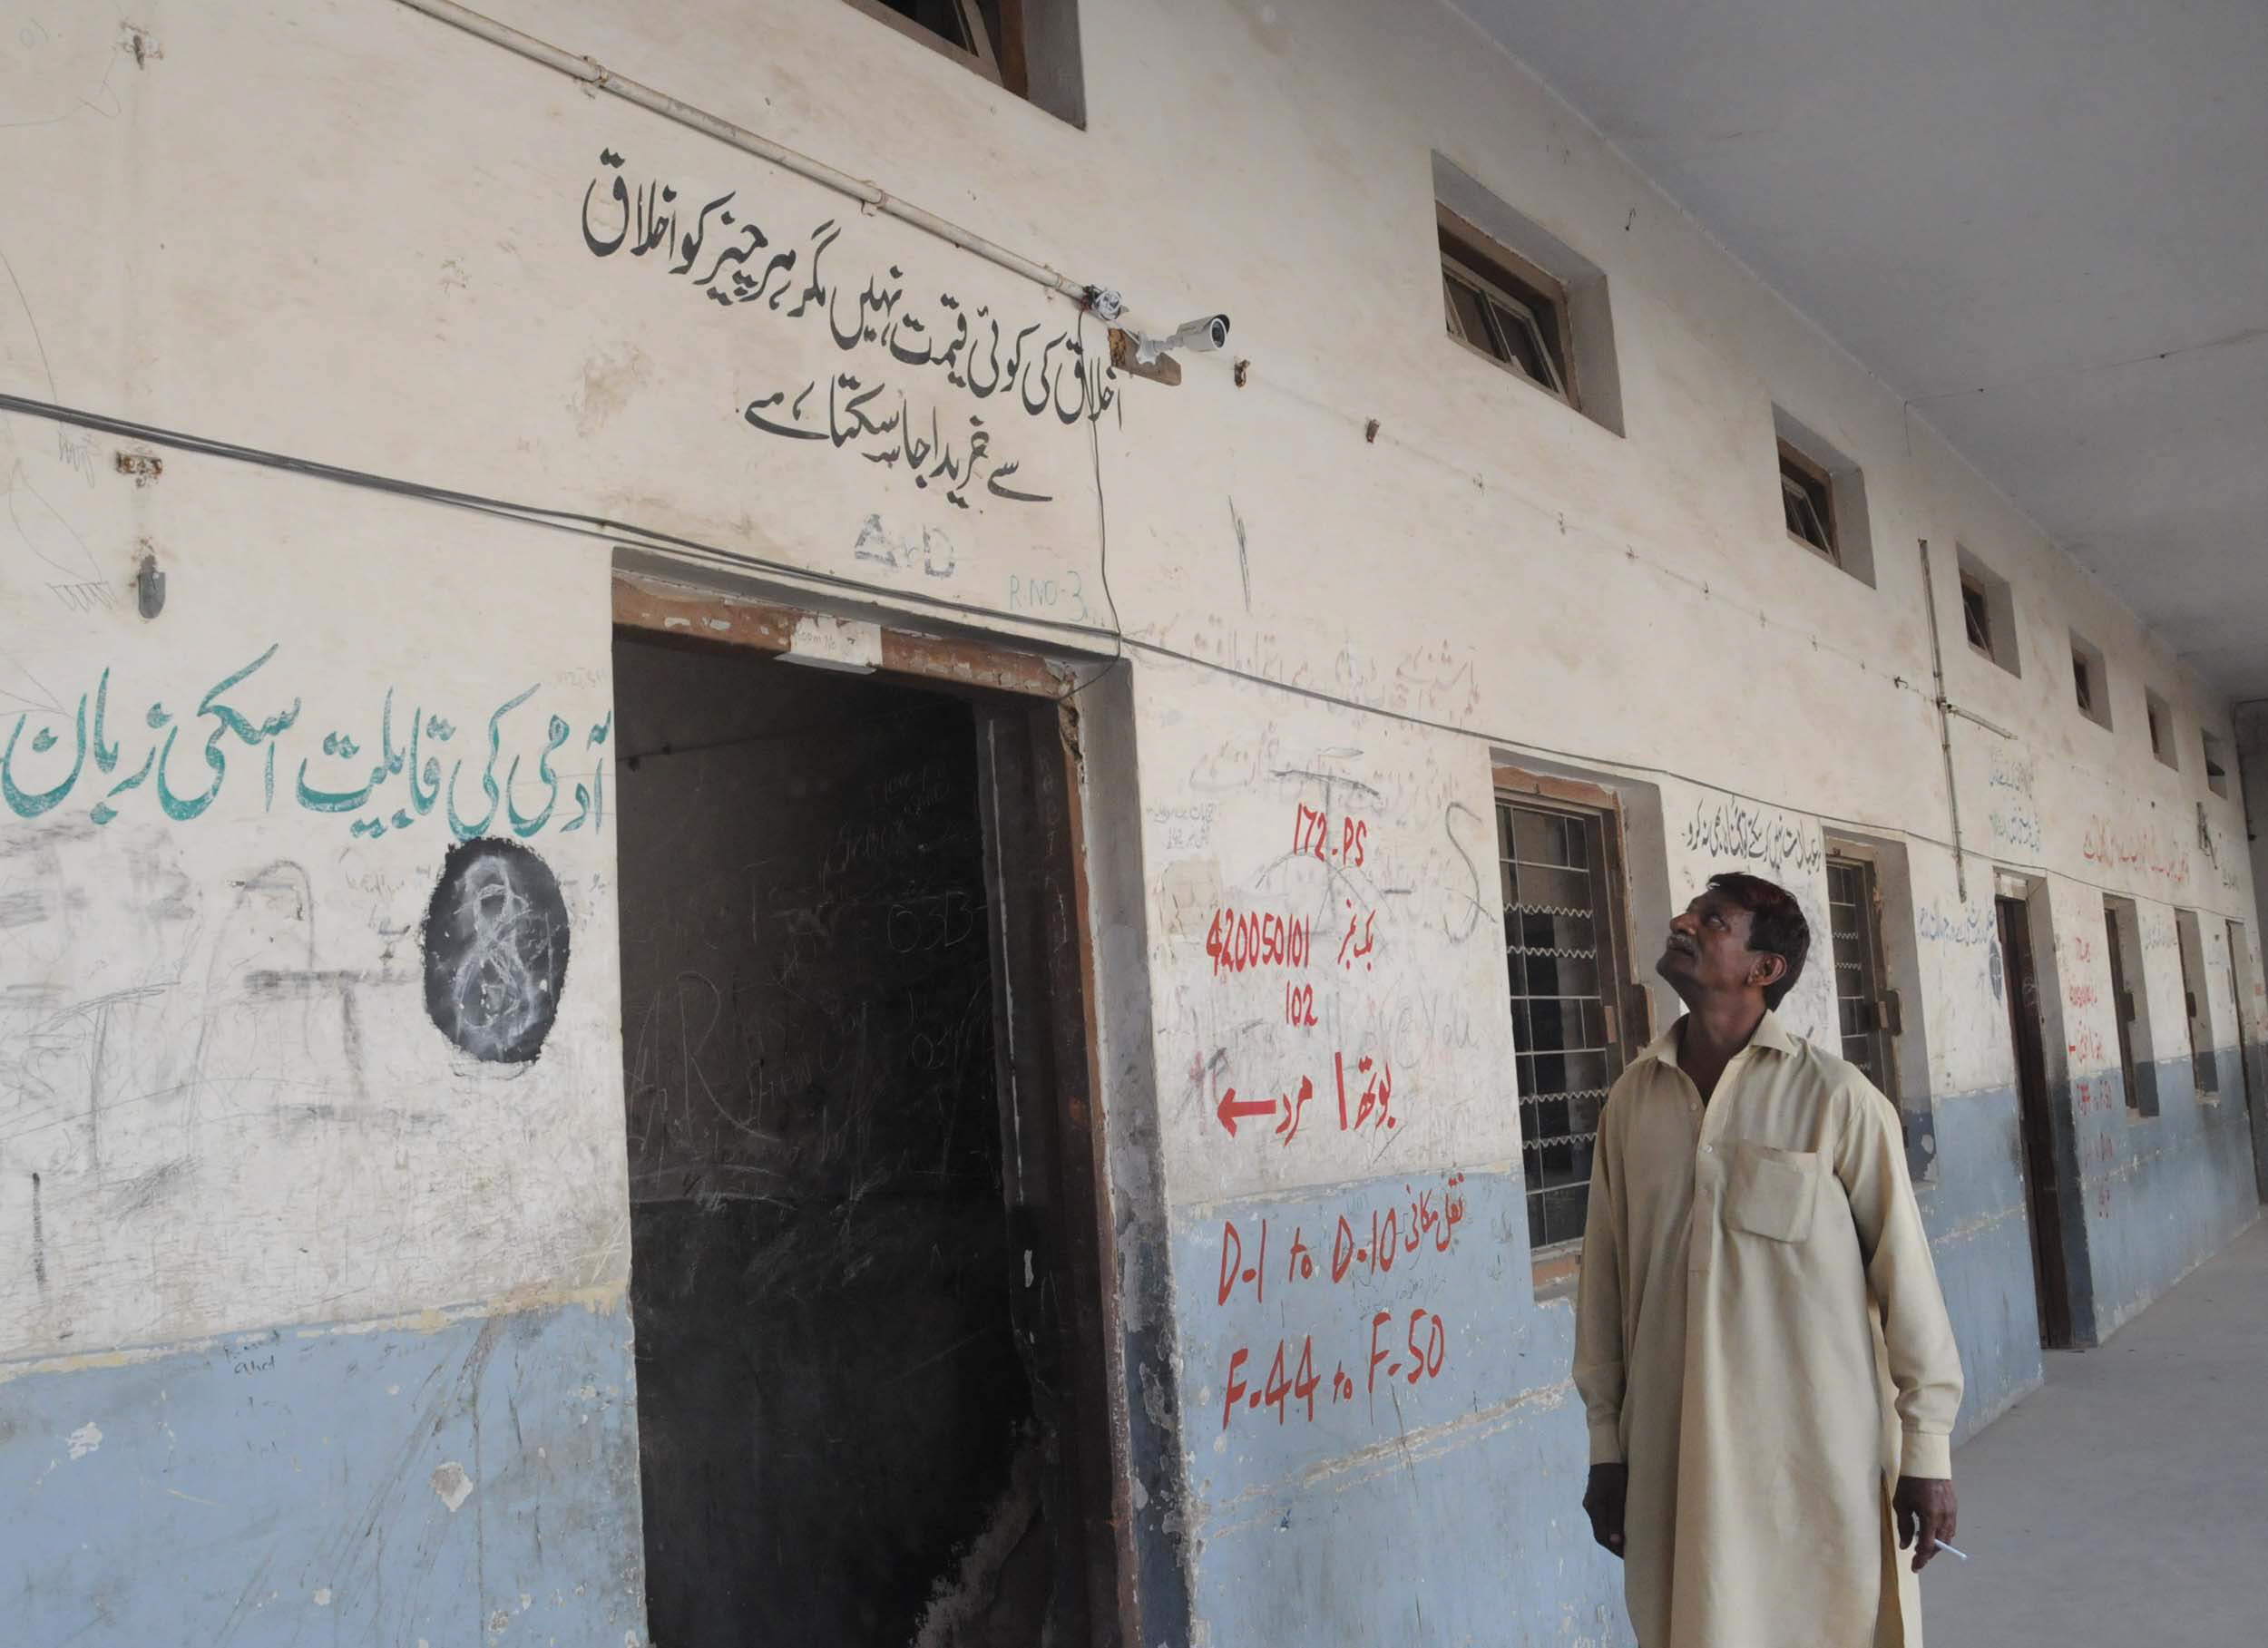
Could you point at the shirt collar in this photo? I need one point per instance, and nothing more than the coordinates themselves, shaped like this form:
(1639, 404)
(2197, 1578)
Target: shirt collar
(1769, 1033)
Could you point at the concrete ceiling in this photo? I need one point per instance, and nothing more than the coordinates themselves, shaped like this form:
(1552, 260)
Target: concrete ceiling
(2044, 222)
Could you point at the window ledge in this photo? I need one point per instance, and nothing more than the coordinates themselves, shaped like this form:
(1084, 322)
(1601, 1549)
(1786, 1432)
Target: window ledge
(1555, 1271)
(1512, 372)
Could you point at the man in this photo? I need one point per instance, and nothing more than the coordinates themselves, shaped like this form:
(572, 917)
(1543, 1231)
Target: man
(1754, 1263)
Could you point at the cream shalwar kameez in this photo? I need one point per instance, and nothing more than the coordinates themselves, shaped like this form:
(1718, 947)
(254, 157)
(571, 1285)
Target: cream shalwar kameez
(1752, 1269)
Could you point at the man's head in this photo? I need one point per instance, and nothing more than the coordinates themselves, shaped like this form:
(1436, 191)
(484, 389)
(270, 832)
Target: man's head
(1743, 933)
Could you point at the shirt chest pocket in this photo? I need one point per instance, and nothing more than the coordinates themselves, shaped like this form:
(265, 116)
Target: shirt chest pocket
(1774, 1193)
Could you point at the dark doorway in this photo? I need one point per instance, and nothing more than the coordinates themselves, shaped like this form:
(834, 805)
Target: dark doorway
(868, 1388)
(2036, 1123)
(2241, 986)
(2122, 1012)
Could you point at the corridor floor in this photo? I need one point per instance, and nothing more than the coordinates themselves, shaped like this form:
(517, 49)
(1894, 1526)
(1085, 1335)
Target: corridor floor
(2124, 1502)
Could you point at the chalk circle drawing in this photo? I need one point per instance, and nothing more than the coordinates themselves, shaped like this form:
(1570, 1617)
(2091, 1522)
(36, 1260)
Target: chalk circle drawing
(496, 949)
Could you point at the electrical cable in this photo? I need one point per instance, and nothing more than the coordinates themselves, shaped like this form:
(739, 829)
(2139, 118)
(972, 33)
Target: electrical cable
(602, 527)
(1102, 527)
(588, 525)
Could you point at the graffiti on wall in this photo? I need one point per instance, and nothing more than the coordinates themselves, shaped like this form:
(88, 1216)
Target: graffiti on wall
(1970, 925)
(1404, 1347)
(1737, 830)
(1436, 680)
(495, 942)
(2013, 771)
(2113, 848)
(408, 763)
(2015, 826)
(2012, 815)
(1240, 941)
(917, 377)
(1304, 957)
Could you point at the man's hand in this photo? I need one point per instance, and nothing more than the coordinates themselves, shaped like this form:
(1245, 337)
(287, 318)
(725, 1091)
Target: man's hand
(1604, 1499)
(1927, 1514)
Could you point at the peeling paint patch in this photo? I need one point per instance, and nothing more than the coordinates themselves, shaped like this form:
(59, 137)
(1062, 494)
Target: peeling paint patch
(141, 467)
(86, 1439)
(322, 1596)
(451, 1484)
(142, 44)
(608, 383)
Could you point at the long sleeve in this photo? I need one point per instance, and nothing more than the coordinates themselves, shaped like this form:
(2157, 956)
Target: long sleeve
(1600, 1351)
(1924, 1360)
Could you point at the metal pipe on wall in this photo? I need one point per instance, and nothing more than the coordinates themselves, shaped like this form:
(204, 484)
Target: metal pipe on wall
(1945, 713)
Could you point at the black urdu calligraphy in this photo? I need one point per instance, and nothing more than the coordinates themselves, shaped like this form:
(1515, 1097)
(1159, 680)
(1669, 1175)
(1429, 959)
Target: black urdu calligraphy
(1042, 376)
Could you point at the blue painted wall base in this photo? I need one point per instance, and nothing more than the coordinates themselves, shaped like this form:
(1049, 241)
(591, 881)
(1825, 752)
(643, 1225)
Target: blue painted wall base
(476, 1483)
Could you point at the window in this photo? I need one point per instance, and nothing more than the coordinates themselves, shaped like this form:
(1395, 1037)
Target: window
(1807, 497)
(2161, 716)
(1558, 853)
(1823, 498)
(1515, 293)
(1506, 308)
(1988, 607)
(969, 26)
(2216, 764)
(1975, 614)
(2091, 681)
(1866, 1012)
(2119, 923)
(1028, 47)
(1873, 943)
(2192, 959)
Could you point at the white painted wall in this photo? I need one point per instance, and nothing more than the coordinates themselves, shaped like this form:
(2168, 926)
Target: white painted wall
(214, 1049)
(347, 233)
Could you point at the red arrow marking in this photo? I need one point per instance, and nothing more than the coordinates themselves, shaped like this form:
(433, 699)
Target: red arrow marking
(1231, 1108)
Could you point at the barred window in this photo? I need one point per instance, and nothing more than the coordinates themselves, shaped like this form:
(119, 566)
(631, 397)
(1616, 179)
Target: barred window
(1561, 884)
(1862, 1009)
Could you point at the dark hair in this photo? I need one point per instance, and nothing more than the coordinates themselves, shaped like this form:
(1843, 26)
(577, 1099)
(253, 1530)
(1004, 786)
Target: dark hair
(1776, 926)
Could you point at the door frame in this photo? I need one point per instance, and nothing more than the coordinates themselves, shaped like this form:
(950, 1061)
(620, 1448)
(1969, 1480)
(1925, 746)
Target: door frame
(1027, 723)
(2247, 1044)
(2047, 1153)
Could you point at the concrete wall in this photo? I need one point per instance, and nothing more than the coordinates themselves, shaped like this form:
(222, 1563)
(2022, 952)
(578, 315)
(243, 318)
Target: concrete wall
(350, 235)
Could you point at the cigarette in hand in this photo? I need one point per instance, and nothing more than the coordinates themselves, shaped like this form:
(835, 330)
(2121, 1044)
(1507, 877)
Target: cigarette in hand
(1949, 1551)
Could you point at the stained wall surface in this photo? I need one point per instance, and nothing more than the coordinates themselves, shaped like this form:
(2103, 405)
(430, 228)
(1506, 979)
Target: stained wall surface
(290, 1249)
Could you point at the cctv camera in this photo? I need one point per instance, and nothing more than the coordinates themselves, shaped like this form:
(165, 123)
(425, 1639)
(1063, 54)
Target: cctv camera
(1207, 333)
